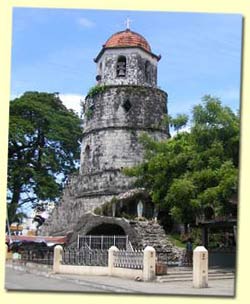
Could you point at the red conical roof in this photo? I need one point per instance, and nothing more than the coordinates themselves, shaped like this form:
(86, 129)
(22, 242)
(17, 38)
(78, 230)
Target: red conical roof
(127, 38)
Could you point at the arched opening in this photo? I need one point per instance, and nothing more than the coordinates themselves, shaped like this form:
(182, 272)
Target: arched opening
(107, 229)
(121, 66)
(87, 150)
(104, 236)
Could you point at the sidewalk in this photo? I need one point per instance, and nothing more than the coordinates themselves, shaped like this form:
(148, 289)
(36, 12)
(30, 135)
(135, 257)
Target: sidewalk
(104, 284)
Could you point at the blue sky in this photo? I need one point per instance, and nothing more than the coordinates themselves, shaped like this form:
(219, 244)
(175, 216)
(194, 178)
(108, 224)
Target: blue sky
(53, 51)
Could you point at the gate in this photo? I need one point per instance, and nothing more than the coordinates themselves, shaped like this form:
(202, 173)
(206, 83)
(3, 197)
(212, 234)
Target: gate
(103, 242)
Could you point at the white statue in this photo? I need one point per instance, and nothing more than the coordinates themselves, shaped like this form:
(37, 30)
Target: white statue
(139, 209)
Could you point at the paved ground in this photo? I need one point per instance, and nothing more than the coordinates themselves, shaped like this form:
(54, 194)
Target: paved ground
(20, 279)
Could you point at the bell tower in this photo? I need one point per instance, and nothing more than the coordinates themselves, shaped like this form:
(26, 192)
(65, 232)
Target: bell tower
(124, 104)
(127, 104)
(126, 59)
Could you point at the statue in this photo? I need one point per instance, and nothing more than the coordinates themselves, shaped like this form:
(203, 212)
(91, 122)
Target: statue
(139, 209)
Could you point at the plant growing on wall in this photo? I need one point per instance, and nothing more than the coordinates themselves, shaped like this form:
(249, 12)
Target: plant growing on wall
(89, 113)
(97, 89)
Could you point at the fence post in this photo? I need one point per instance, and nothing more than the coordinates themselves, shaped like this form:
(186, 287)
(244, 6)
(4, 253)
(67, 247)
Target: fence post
(57, 258)
(149, 259)
(200, 267)
(111, 251)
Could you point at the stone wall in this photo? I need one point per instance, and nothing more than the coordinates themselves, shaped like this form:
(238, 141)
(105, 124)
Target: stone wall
(140, 234)
(135, 67)
(110, 143)
(118, 117)
(153, 234)
(65, 215)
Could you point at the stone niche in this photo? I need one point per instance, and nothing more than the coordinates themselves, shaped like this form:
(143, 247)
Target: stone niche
(141, 233)
(125, 205)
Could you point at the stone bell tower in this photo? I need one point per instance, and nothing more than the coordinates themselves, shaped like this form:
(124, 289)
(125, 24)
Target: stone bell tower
(125, 104)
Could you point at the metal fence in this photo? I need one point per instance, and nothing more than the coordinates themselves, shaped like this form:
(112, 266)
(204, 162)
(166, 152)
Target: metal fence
(85, 256)
(128, 259)
(41, 256)
(103, 241)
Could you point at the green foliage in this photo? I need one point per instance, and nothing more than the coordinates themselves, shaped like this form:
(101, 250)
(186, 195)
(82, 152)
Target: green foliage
(98, 211)
(175, 239)
(97, 89)
(178, 122)
(195, 169)
(44, 140)
(196, 236)
(89, 113)
(106, 208)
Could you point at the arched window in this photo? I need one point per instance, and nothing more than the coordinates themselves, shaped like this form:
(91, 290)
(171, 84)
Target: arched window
(87, 150)
(121, 66)
(147, 71)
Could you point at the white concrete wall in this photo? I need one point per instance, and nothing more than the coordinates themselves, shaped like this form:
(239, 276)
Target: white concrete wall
(83, 270)
(127, 273)
(146, 274)
(100, 271)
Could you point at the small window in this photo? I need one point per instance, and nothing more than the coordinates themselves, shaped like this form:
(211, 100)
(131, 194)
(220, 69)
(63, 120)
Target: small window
(87, 150)
(121, 66)
(127, 105)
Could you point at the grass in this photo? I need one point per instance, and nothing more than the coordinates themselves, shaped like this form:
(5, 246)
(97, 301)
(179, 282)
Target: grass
(175, 239)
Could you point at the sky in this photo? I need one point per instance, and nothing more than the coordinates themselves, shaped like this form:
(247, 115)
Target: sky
(53, 51)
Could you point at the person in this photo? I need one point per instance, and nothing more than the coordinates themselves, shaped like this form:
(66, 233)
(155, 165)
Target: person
(189, 252)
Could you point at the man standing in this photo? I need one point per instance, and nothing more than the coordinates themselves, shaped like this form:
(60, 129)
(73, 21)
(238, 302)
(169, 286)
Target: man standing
(189, 252)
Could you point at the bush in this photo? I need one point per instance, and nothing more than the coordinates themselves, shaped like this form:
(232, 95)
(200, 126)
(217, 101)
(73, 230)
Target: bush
(96, 90)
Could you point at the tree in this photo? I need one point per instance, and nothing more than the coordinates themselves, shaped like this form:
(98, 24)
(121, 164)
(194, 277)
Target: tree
(195, 169)
(178, 122)
(44, 146)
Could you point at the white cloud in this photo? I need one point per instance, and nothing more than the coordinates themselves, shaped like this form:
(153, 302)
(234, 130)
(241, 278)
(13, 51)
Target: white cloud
(15, 95)
(84, 22)
(230, 94)
(72, 101)
(187, 128)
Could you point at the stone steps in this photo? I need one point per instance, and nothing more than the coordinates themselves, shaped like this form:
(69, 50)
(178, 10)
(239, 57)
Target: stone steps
(187, 275)
(154, 235)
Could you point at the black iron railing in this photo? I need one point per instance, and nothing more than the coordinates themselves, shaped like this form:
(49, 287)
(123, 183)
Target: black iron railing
(128, 259)
(85, 256)
(41, 256)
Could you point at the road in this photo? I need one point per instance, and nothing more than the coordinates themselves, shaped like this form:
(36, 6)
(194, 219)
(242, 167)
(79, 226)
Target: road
(19, 280)
(22, 280)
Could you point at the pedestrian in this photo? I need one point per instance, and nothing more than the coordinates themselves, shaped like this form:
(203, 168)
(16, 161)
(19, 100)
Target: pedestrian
(189, 252)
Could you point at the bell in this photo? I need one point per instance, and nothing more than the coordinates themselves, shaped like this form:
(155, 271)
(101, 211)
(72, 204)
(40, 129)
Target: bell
(121, 72)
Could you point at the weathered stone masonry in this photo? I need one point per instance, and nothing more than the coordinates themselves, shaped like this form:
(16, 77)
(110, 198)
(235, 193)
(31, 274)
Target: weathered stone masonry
(119, 115)
(126, 104)
(110, 143)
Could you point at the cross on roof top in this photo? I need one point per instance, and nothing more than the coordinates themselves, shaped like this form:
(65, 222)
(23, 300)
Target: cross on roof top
(128, 21)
